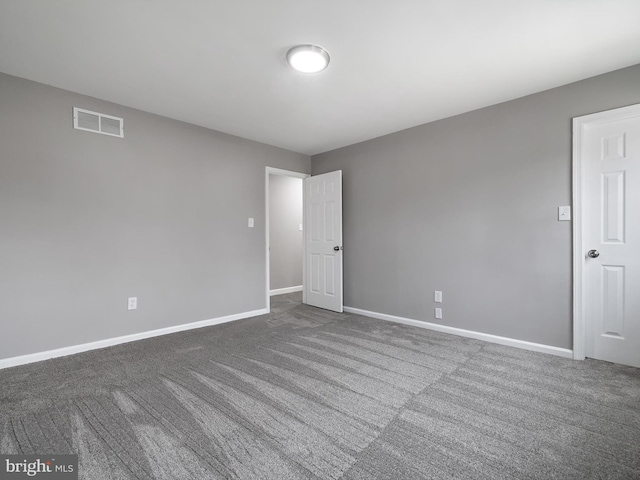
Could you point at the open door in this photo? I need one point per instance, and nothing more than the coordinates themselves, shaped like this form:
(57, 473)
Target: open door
(323, 241)
(607, 248)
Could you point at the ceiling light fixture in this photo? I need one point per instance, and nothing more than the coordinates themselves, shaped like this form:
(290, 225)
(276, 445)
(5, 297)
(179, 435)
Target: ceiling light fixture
(308, 58)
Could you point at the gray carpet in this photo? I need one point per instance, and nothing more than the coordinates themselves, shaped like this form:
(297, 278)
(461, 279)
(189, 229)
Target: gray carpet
(305, 393)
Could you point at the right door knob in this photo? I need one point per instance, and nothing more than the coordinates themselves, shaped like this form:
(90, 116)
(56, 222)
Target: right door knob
(593, 253)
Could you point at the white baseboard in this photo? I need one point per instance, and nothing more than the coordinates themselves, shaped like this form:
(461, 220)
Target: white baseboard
(282, 291)
(62, 352)
(510, 342)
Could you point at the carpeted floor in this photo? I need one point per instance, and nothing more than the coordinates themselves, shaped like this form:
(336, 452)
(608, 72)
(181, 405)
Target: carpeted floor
(306, 393)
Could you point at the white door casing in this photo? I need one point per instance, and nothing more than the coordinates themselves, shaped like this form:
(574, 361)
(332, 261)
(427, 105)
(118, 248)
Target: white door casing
(323, 241)
(286, 173)
(607, 224)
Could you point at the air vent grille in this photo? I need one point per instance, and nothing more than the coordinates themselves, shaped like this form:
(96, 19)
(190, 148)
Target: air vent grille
(98, 122)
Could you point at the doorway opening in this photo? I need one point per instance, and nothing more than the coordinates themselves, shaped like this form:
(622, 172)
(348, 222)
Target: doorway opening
(284, 232)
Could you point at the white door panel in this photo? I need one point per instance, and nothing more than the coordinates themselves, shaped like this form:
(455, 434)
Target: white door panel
(323, 217)
(611, 206)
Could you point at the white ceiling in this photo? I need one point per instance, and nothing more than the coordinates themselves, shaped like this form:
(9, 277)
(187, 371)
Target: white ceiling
(394, 64)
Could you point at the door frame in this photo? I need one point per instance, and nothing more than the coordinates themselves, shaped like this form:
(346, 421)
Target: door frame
(579, 124)
(284, 173)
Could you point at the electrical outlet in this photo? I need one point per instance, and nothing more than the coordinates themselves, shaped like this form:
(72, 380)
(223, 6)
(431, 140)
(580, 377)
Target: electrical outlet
(437, 296)
(250, 223)
(438, 313)
(132, 303)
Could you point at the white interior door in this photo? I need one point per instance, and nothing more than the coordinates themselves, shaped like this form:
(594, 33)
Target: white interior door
(323, 241)
(610, 146)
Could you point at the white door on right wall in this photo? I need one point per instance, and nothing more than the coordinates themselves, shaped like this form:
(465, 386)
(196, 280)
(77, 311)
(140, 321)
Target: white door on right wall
(323, 240)
(611, 240)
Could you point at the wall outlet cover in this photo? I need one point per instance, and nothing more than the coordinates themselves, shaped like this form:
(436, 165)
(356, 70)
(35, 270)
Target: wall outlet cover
(437, 296)
(438, 313)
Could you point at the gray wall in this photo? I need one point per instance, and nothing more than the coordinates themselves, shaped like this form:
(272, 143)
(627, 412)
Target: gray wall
(285, 238)
(468, 205)
(87, 220)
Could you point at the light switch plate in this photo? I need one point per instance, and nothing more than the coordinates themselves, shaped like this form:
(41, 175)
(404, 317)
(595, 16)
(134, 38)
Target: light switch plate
(564, 214)
(250, 223)
(132, 303)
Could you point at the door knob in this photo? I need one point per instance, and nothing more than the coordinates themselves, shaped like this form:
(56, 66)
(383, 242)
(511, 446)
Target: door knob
(593, 253)
(337, 249)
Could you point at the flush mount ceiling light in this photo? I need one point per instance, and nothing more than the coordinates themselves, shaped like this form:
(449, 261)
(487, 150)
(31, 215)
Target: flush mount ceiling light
(308, 58)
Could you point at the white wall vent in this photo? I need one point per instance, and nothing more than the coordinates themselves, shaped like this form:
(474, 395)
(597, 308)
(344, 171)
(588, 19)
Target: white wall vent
(98, 122)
